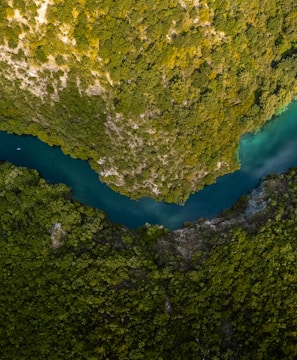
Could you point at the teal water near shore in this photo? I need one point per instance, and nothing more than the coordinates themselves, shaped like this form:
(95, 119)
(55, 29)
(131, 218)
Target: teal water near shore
(271, 150)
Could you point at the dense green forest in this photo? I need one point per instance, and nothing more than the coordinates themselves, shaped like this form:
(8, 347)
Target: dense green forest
(155, 94)
(75, 286)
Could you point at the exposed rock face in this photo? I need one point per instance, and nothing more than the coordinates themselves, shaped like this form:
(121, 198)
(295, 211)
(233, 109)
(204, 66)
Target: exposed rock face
(57, 236)
(257, 201)
(200, 236)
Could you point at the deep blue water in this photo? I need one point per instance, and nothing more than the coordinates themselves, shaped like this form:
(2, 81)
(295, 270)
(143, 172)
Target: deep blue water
(271, 150)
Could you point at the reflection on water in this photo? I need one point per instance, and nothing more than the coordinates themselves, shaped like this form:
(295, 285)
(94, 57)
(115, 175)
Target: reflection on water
(272, 150)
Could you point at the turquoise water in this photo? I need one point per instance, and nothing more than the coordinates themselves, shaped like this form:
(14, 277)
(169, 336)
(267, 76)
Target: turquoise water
(272, 150)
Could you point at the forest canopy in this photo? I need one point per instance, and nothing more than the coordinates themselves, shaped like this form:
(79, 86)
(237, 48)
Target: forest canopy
(75, 286)
(155, 94)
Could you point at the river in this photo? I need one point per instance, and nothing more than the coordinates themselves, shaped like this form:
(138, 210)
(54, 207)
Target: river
(271, 150)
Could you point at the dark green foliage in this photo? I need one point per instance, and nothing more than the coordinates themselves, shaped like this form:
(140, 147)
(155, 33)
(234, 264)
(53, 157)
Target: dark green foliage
(86, 298)
(174, 96)
(87, 289)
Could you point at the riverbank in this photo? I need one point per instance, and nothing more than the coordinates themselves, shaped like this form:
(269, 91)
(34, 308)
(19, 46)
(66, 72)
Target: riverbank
(272, 150)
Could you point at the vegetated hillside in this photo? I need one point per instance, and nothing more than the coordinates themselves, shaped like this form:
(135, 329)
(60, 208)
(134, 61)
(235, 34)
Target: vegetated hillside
(74, 286)
(156, 94)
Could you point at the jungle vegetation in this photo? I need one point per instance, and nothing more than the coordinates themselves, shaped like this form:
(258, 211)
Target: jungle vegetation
(75, 286)
(155, 94)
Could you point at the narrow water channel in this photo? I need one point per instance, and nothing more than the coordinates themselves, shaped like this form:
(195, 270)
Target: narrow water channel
(271, 150)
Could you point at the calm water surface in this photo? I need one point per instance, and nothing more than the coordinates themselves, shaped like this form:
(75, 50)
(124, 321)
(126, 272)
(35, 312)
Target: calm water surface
(272, 150)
